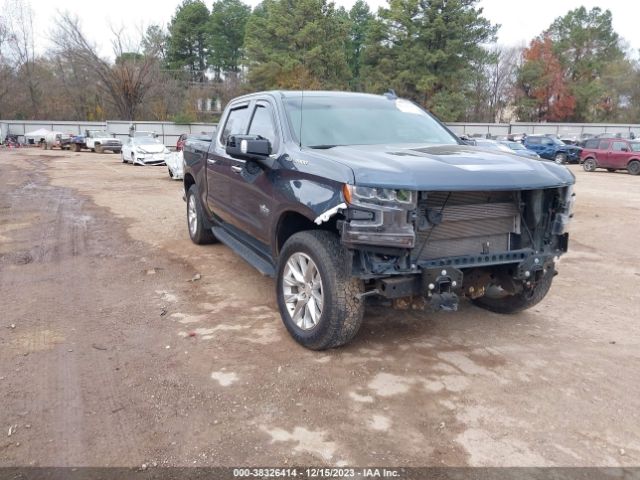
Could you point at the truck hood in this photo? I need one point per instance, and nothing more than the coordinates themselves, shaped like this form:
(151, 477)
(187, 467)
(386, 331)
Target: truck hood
(446, 167)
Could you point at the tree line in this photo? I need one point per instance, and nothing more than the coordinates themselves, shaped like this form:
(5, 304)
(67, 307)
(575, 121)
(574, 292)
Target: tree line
(441, 54)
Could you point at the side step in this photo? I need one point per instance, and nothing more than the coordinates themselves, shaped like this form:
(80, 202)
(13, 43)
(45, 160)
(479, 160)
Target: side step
(264, 266)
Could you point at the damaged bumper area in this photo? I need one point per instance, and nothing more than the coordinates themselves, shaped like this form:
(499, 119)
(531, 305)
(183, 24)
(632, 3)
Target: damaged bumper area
(439, 246)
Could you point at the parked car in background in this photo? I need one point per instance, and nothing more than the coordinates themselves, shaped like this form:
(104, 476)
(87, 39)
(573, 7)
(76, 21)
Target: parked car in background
(97, 141)
(552, 149)
(144, 150)
(491, 145)
(56, 140)
(612, 154)
(175, 164)
(180, 143)
(520, 150)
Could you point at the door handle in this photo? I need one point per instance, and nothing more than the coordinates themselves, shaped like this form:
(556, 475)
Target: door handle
(235, 169)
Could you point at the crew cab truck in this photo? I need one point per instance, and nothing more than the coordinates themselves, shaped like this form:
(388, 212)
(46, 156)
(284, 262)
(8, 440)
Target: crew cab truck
(344, 196)
(552, 148)
(96, 141)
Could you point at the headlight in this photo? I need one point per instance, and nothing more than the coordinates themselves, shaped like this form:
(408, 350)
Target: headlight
(386, 196)
(565, 212)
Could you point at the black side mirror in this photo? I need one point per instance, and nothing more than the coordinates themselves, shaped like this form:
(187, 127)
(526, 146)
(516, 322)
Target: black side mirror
(248, 147)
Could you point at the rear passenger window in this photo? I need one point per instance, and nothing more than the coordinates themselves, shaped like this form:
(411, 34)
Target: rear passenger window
(604, 145)
(236, 123)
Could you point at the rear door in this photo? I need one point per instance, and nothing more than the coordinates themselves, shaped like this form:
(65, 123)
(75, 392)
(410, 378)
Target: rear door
(220, 176)
(602, 153)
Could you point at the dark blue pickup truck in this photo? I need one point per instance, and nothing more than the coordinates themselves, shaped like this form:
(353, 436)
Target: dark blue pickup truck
(553, 149)
(344, 196)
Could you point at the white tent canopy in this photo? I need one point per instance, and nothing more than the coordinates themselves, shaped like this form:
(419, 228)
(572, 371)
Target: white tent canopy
(40, 133)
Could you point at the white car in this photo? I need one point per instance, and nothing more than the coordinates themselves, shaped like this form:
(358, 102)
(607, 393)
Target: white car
(144, 150)
(175, 165)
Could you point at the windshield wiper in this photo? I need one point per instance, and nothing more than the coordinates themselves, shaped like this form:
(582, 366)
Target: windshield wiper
(322, 147)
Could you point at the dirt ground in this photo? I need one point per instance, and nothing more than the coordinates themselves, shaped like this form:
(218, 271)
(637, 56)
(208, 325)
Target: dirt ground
(111, 356)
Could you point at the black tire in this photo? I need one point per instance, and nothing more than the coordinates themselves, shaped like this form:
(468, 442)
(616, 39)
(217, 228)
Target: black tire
(342, 311)
(170, 172)
(521, 301)
(634, 167)
(201, 233)
(589, 165)
(560, 158)
(99, 149)
(76, 147)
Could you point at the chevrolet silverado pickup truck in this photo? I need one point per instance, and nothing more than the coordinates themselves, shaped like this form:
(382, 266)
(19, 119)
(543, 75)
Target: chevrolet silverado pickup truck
(343, 196)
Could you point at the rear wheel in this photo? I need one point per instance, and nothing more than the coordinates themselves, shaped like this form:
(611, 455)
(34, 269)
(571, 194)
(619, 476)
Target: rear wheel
(560, 158)
(634, 167)
(199, 230)
(99, 149)
(317, 296)
(589, 165)
(498, 301)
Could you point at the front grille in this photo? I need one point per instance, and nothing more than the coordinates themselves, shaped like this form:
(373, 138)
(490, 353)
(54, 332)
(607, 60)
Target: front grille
(472, 223)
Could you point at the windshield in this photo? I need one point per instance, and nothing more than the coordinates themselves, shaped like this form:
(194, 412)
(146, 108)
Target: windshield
(492, 145)
(146, 141)
(328, 121)
(515, 146)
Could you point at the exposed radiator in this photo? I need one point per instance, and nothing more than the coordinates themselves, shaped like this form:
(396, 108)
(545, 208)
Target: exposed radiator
(472, 223)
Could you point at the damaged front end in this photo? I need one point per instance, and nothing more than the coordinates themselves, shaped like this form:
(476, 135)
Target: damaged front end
(432, 247)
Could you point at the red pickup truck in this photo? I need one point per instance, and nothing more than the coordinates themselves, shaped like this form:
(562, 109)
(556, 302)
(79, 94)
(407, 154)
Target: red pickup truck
(612, 154)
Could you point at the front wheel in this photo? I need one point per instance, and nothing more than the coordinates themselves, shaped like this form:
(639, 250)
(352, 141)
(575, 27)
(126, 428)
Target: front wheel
(560, 158)
(199, 230)
(589, 165)
(318, 298)
(634, 167)
(498, 301)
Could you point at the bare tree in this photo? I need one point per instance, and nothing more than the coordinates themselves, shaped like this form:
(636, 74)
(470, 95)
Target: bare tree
(21, 48)
(127, 81)
(501, 75)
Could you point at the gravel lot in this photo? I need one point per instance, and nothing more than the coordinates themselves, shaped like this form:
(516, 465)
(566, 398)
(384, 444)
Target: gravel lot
(111, 354)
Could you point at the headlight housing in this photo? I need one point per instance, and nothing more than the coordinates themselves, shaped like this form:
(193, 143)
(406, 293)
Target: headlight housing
(355, 194)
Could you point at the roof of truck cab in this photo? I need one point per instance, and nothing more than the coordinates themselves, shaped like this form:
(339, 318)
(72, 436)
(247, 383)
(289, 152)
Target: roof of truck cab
(307, 93)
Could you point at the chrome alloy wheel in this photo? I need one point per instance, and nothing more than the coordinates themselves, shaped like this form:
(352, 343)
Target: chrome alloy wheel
(192, 215)
(302, 289)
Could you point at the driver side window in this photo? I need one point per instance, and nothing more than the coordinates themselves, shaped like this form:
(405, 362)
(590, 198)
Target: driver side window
(235, 123)
(262, 124)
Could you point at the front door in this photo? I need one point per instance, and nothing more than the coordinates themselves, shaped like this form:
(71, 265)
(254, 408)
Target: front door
(619, 154)
(220, 175)
(251, 183)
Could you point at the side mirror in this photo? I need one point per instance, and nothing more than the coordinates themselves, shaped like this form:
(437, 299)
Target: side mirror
(248, 147)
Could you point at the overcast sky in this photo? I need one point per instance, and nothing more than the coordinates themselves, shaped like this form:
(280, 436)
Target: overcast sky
(520, 20)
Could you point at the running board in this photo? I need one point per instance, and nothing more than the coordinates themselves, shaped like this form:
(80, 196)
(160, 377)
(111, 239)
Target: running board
(248, 254)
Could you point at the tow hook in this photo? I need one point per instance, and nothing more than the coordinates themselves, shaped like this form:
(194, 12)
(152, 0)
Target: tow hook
(440, 288)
